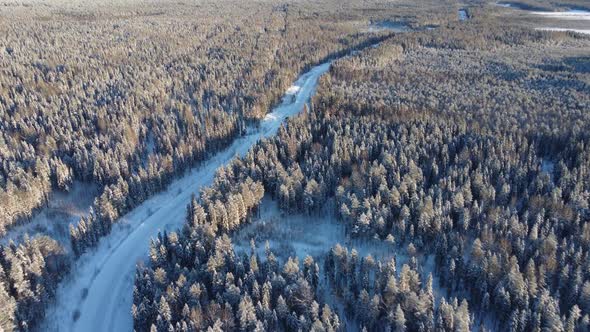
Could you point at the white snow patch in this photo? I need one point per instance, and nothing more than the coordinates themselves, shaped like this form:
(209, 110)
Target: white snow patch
(463, 15)
(62, 209)
(290, 94)
(150, 144)
(300, 235)
(150, 148)
(570, 14)
(293, 89)
(547, 166)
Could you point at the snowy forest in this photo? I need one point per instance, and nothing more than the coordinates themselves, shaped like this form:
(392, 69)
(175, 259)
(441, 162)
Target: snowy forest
(442, 161)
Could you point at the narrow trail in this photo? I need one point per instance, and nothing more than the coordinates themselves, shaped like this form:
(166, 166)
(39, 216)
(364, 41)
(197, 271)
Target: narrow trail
(98, 294)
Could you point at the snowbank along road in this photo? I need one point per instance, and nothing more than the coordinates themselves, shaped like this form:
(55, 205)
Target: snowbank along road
(98, 294)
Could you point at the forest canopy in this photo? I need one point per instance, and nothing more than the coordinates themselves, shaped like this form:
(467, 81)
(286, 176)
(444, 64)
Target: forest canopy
(449, 141)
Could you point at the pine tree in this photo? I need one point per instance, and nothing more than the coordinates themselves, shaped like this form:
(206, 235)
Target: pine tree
(164, 310)
(246, 314)
(574, 316)
(400, 319)
(462, 319)
(7, 309)
(282, 308)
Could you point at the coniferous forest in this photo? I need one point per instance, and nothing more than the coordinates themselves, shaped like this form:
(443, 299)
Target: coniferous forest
(436, 178)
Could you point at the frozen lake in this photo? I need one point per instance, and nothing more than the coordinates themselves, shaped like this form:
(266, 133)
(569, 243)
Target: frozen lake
(561, 18)
(572, 14)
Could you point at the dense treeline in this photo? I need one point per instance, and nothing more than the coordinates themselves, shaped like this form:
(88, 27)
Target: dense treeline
(29, 273)
(467, 144)
(490, 179)
(215, 289)
(382, 300)
(144, 99)
(130, 96)
(218, 289)
(473, 69)
(500, 196)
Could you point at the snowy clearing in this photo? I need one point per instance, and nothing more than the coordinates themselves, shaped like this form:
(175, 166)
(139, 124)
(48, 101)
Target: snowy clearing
(300, 235)
(99, 291)
(62, 209)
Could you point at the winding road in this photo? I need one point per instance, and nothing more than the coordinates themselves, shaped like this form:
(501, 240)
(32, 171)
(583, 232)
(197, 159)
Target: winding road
(98, 293)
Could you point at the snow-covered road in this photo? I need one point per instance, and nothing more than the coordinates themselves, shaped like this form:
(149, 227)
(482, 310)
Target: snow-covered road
(98, 293)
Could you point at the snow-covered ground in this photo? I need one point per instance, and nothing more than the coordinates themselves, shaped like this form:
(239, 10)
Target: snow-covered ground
(518, 5)
(300, 235)
(570, 14)
(548, 167)
(99, 291)
(62, 209)
(463, 15)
